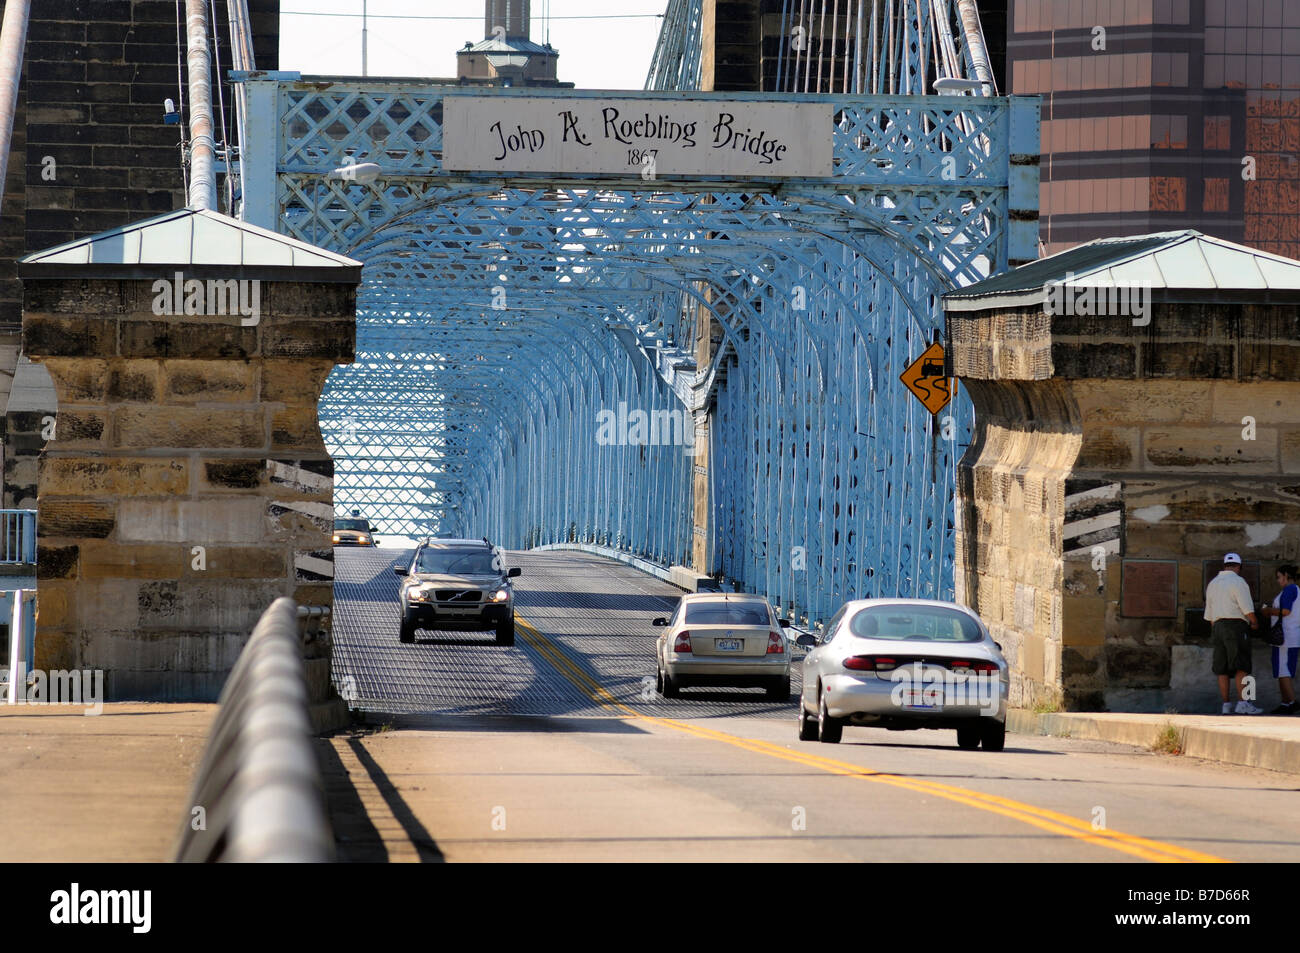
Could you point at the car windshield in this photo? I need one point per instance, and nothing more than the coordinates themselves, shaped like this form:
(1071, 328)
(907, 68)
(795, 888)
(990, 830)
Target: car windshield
(915, 623)
(461, 562)
(361, 525)
(726, 613)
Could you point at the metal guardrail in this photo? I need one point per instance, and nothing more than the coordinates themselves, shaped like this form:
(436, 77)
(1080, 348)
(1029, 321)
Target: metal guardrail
(17, 537)
(259, 785)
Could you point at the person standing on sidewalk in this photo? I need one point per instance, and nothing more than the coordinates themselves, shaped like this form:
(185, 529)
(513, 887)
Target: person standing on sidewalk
(1286, 655)
(1229, 610)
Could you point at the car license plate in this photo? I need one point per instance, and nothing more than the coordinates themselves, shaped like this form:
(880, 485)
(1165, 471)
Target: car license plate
(922, 699)
(729, 645)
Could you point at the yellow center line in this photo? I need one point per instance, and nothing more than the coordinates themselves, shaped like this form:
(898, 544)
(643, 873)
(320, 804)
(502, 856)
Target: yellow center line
(1042, 818)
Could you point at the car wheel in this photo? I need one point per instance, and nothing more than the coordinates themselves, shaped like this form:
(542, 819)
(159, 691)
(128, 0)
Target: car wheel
(672, 688)
(778, 690)
(968, 737)
(993, 734)
(807, 726)
(829, 730)
(407, 633)
(659, 680)
(506, 632)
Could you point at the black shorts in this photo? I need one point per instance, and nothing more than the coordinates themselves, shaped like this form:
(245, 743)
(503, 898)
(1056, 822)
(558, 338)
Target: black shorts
(1231, 641)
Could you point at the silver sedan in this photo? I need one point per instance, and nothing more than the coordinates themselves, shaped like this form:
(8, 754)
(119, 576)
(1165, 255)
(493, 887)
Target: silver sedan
(732, 639)
(901, 664)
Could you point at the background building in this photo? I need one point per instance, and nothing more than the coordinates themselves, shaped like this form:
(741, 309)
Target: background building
(507, 56)
(1164, 114)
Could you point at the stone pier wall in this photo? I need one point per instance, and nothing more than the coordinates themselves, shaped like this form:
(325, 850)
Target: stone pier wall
(1111, 469)
(187, 484)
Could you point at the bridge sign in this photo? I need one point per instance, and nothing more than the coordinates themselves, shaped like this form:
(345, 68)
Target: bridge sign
(645, 137)
(925, 378)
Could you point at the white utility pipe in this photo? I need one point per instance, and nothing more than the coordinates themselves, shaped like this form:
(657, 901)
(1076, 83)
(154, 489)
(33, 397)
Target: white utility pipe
(13, 36)
(970, 24)
(203, 149)
(17, 652)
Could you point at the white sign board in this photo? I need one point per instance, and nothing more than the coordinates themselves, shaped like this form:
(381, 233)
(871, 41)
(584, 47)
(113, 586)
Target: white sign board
(645, 137)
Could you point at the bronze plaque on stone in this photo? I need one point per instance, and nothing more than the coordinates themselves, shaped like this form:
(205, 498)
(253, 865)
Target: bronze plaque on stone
(1149, 589)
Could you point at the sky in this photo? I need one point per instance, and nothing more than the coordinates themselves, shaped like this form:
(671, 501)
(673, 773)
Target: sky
(603, 44)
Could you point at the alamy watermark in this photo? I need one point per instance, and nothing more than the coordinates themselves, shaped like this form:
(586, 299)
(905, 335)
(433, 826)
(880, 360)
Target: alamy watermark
(919, 686)
(642, 428)
(1123, 299)
(84, 688)
(181, 295)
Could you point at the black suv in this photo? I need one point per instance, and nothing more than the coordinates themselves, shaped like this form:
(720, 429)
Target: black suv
(457, 584)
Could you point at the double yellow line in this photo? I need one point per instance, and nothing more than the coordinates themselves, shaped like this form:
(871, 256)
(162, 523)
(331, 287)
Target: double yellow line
(1046, 820)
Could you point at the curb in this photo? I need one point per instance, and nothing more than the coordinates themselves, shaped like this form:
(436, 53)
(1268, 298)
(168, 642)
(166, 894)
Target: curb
(1222, 743)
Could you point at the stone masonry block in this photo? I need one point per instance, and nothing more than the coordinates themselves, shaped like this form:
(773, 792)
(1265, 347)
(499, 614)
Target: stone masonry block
(133, 380)
(193, 522)
(115, 560)
(295, 428)
(188, 427)
(51, 335)
(112, 476)
(76, 378)
(294, 381)
(321, 338)
(75, 518)
(189, 381)
(1211, 448)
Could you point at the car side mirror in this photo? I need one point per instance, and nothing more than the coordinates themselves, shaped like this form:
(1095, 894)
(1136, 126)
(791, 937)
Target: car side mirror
(806, 640)
(399, 570)
(660, 621)
(513, 573)
(999, 646)
(783, 623)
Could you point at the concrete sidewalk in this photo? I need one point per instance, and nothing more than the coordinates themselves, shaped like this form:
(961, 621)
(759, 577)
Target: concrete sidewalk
(108, 787)
(1257, 741)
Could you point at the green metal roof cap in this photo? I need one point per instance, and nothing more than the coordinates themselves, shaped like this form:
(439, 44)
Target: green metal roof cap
(200, 243)
(1186, 265)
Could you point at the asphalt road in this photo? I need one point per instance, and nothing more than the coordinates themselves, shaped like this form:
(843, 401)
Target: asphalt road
(555, 750)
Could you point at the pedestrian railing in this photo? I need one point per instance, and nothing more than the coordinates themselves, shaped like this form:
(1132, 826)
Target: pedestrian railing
(17, 537)
(258, 795)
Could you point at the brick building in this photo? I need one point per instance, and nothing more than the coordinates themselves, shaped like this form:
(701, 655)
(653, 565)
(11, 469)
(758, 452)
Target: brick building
(1161, 114)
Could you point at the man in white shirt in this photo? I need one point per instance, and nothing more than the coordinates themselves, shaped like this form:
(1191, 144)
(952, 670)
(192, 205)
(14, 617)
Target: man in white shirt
(1230, 609)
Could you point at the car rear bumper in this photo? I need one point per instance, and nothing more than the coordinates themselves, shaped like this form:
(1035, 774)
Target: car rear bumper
(879, 701)
(740, 672)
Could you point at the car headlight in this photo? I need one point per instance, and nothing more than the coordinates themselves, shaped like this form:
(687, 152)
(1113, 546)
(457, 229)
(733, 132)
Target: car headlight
(336, 537)
(501, 595)
(419, 593)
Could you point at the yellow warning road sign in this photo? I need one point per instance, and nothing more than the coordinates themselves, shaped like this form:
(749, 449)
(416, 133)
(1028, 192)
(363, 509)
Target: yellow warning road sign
(925, 379)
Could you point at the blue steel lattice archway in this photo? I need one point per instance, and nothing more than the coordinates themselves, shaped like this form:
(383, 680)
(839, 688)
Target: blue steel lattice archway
(501, 321)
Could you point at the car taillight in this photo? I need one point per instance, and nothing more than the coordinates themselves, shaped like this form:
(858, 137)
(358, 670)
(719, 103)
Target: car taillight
(983, 667)
(775, 644)
(682, 643)
(870, 663)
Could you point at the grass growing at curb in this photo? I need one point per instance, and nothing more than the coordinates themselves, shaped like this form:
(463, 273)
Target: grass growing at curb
(1169, 741)
(1046, 707)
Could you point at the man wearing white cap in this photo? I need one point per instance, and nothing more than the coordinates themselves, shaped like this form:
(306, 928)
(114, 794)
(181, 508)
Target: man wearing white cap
(1229, 609)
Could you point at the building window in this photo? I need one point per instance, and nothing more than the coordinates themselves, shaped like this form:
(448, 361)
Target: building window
(1168, 194)
(1216, 195)
(1218, 133)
